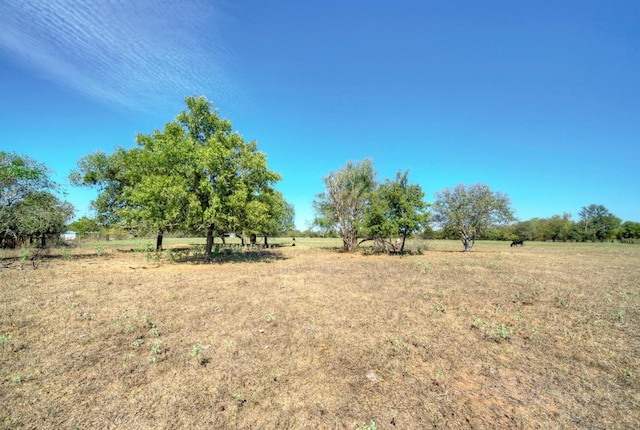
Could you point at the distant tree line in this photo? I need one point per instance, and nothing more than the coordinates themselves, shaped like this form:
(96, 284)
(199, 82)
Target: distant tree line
(595, 224)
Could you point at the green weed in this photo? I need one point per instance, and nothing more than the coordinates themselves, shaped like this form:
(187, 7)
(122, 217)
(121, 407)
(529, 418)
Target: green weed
(155, 350)
(198, 251)
(5, 339)
(24, 255)
(532, 332)
(423, 266)
(478, 323)
(239, 398)
(196, 352)
(439, 307)
(500, 332)
(153, 328)
(146, 247)
(494, 332)
(8, 422)
(494, 265)
(370, 426)
(17, 379)
(129, 327)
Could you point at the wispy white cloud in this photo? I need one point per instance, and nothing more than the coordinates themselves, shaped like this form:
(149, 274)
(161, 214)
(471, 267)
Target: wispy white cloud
(140, 54)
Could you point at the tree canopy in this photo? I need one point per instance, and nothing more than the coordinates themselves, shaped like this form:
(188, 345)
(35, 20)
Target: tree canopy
(29, 207)
(359, 208)
(629, 230)
(597, 223)
(396, 211)
(342, 206)
(471, 210)
(196, 174)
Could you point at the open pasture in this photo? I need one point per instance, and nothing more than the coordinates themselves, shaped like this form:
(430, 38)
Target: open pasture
(540, 336)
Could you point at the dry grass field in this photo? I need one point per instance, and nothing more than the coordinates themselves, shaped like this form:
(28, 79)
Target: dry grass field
(543, 336)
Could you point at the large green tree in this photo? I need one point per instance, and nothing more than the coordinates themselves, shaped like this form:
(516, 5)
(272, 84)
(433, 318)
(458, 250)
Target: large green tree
(196, 174)
(341, 207)
(470, 210)
(228, 175)
(597, 223)
(396, 211)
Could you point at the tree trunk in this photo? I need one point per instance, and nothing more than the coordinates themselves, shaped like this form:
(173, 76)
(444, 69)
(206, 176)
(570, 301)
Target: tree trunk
(467, 241)
(266, 243)
(350, 241)
(159, 241)
(209, 245)
(404, 238)
(43, 241)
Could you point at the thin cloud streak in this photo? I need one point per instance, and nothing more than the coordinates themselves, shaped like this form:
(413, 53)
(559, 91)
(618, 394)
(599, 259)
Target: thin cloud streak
(137, 54)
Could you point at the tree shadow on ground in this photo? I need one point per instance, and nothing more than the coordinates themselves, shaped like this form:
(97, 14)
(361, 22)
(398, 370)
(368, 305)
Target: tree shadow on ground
(177, 255)
(225, 254)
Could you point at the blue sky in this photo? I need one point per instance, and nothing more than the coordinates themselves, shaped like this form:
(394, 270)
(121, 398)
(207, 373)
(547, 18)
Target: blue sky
(538, 100)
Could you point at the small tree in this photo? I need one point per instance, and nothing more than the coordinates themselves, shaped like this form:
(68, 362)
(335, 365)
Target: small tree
(271, 215)
(471, 210)
(397, 210)
(342, 206)
(42, 215)
(28, 206)
(84, 225)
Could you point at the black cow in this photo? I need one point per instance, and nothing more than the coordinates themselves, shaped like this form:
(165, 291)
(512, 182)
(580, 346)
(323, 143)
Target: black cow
(517, 242)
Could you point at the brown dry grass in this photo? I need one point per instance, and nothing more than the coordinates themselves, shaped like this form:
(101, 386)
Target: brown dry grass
(544, 336)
